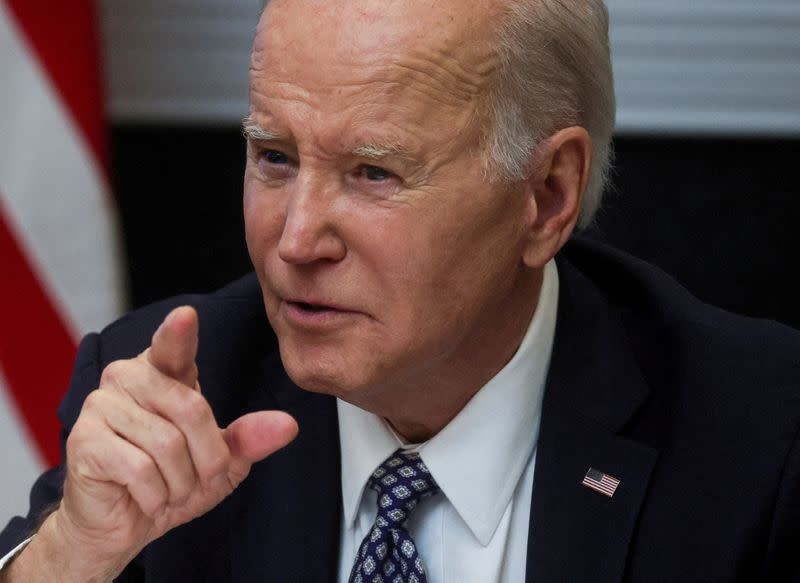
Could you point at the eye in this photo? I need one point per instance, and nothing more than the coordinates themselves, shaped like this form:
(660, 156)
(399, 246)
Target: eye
(274, 164)
(375, 173)
(274, 157)
(374, 180)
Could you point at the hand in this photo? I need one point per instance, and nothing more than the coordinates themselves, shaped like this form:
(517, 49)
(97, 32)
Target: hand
(146, 454)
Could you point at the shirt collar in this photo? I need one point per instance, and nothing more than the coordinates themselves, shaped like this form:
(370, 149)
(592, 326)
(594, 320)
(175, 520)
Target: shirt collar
(478, 458)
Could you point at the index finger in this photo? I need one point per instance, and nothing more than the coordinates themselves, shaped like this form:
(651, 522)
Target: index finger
(174, 346)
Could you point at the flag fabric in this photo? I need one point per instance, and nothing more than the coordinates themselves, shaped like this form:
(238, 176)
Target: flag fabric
(600, 482)
(59, 271)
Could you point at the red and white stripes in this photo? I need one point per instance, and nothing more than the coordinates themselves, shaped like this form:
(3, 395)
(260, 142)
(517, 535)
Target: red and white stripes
(58, 249)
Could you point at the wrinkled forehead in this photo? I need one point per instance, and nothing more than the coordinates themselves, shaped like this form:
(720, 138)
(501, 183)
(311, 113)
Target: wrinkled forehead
(447, 41)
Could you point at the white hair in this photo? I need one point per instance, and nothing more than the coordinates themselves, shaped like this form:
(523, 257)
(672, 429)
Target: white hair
(554, 71)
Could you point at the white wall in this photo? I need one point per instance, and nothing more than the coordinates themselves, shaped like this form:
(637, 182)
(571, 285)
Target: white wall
(682, 66)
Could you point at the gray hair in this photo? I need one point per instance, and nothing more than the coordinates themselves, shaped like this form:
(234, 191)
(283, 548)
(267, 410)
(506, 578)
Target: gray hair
(554, 71)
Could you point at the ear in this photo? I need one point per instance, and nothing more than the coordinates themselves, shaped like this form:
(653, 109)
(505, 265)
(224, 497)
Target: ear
(555, 190)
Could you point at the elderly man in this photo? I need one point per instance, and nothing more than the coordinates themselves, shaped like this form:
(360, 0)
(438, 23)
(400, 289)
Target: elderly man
(470, 408)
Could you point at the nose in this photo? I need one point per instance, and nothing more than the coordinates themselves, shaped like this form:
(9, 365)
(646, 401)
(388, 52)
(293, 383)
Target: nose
(310, 230)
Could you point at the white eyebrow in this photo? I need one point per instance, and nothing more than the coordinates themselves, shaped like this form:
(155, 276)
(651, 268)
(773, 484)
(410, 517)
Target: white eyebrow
(378, 151)
(253, 131)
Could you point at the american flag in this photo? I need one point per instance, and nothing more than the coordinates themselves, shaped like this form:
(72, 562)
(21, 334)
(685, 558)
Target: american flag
(600, 482)
(59, 271)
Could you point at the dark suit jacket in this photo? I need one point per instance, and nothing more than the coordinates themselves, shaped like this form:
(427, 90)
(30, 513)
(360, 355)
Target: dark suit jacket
(696, 411)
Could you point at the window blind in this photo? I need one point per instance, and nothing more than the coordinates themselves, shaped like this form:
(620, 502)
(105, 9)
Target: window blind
(681, 66)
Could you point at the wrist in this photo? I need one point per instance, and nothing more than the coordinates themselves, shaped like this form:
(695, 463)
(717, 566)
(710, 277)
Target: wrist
(54, 555)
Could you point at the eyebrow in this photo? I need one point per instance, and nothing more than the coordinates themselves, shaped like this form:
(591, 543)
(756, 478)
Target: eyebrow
(252, 131)
(373, 151)
(379, 151)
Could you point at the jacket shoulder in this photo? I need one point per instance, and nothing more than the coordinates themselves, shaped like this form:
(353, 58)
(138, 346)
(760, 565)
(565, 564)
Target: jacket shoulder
(665, 318)
(736, 377)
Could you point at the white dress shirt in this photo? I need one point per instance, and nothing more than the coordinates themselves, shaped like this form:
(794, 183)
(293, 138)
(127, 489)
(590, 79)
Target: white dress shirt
(476, 528)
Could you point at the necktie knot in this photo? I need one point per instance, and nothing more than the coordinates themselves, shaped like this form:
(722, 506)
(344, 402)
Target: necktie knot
(401, 482)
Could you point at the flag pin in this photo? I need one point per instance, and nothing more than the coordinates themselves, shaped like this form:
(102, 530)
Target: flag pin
(600, 482)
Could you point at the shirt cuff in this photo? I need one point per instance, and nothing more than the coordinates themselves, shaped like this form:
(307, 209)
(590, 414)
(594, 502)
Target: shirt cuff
(13, 553)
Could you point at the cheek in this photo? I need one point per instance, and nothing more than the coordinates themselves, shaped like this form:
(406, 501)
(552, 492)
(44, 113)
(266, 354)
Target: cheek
(468, 262)
(420, 280)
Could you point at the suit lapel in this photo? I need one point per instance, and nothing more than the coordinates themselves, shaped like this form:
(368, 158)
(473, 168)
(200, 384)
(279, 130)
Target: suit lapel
(594, 387)
(286, 517)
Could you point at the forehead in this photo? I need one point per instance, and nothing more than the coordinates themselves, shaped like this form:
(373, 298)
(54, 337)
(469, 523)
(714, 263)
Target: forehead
(432, 57)
(377, 25)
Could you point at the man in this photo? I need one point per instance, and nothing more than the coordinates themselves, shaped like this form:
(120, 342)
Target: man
(413, 169)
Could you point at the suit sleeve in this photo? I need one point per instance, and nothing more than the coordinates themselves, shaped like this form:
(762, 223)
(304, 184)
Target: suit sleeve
(46, 492)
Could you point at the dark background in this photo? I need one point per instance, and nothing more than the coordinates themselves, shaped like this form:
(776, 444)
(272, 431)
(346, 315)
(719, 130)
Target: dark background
(718, 214)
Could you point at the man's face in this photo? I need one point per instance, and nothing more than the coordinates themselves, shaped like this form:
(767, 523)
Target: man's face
(385, 256)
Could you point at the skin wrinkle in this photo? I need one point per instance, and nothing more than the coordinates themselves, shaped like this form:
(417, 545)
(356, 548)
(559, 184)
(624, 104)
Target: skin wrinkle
(428, 86)
(420, 147)
(466, 83)
(418, 174)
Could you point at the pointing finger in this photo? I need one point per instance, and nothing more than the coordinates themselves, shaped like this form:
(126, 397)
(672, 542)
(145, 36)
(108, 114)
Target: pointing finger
(174, 346)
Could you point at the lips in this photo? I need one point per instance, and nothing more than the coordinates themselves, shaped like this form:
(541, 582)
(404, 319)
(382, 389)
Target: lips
(313, 315)
(313, 308)
(311, 305)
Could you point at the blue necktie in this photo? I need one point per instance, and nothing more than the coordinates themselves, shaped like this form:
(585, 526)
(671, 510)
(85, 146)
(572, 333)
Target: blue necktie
(387, 554)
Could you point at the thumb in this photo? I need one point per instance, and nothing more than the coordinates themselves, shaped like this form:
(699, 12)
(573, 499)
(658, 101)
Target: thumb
(254, 436)
(174, 346)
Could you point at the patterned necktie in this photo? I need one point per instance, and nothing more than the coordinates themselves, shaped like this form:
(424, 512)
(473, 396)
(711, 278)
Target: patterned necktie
(388, 555)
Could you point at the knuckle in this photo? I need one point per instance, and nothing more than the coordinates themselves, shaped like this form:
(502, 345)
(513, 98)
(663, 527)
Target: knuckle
(114, 373)
(81, 438)
(194, 409)
(182, 492)
(140, 468)
(169, 441)
(93, 401)
(123, 375)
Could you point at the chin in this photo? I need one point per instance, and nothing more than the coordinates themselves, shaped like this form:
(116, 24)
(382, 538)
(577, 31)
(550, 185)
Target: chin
(317, 374)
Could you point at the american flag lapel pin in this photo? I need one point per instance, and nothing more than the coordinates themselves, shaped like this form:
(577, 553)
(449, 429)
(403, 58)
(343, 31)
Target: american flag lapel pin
(600, 482)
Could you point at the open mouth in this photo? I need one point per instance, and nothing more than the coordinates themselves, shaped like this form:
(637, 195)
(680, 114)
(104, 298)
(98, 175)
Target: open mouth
(308, 314)
(311, 307)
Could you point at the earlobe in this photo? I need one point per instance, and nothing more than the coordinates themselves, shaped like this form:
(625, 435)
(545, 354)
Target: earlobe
(560, 175)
